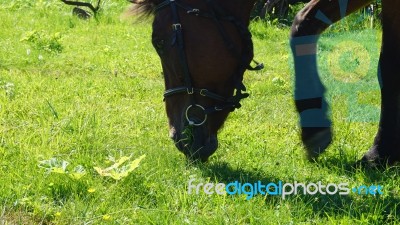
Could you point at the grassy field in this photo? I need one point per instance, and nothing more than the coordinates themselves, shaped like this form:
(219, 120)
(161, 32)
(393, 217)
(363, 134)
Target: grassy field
(76, 96)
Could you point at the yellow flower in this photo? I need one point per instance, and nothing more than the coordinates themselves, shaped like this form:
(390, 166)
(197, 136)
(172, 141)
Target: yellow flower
(91, 190)
(106, 217)
(57, 214)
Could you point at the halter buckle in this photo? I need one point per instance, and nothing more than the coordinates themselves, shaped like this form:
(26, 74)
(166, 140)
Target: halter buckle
(176, 26)
(193, 11)
(202, 92)
(190, 91)
(218, 108)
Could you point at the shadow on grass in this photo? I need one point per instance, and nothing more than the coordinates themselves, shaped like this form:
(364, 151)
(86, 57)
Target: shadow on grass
(349, 167)
(369, 209)
(382, 208)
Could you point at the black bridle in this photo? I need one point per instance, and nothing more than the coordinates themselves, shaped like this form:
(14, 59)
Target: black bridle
(218, 15)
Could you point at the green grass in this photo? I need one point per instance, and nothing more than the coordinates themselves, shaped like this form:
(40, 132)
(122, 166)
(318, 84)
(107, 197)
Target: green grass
(90, 92)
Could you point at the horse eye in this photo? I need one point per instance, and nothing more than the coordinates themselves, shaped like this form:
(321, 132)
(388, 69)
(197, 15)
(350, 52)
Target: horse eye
(159, 45)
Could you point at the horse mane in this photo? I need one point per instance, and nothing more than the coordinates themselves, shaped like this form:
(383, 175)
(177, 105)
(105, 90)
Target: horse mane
(142, 8)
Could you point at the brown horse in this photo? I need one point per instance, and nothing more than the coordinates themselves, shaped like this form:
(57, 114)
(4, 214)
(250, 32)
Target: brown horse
(205, 47)
(309, 23)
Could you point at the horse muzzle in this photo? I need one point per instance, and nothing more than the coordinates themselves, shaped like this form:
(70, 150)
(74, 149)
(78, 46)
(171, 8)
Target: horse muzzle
(195, 142)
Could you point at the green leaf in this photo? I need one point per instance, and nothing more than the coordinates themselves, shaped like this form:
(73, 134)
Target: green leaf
(118, 173)
(53, 165)
(78, 173)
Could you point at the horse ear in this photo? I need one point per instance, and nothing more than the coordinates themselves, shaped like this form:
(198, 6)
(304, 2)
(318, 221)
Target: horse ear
(143, 8)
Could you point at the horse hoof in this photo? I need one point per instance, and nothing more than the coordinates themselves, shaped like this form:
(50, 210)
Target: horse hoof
(316, 140)
(374, 159)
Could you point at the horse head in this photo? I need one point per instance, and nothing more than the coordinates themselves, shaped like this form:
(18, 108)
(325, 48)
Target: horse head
(205, 47)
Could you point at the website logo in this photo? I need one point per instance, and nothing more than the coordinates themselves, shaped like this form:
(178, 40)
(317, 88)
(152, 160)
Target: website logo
(281, 189)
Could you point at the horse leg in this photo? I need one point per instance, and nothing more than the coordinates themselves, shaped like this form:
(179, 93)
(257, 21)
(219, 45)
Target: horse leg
(308, 24)
(386, 148)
